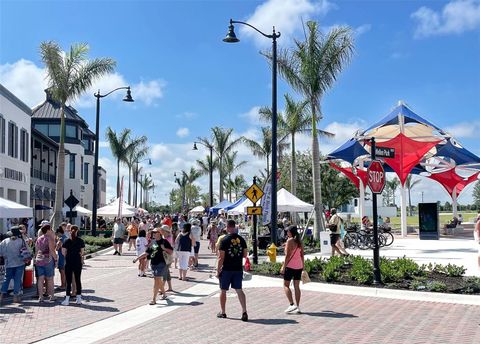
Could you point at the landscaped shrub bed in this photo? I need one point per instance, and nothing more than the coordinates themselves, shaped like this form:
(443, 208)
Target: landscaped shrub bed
(400, 273)
(97, 241)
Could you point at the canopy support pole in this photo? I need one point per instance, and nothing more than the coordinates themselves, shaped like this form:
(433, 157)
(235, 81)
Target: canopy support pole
(361, 200)
(403, 210)
(454, 202)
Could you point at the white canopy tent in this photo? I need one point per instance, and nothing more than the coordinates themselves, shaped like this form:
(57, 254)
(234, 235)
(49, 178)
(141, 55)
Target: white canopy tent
(112, 209)
(197, 210)
(81, 211)
(286, 202)
(240, 208)
(10, 209)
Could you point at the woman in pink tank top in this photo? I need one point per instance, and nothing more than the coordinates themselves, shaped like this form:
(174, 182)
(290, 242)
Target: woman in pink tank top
(292, 268)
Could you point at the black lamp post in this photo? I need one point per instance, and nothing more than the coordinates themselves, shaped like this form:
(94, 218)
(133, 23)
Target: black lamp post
(232, 38)
(210, 167)
(128, 98)
(136, 177)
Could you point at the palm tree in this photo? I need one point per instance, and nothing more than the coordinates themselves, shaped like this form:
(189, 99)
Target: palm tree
(409, 184)
(223, 143)
(69, 74)
(262, 149)
(136, 151)
(192, 176)
(182, 183)
(119, 146)
(239, 185)
(231, 166)
(311, 68)
(146, 184)
(392, 185)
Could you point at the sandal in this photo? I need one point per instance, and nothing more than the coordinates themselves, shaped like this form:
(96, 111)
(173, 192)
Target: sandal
(221, 315)
(164, 297)
(153, 303)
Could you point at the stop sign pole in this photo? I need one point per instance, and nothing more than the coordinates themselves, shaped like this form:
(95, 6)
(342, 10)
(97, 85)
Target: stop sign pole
(377, 279)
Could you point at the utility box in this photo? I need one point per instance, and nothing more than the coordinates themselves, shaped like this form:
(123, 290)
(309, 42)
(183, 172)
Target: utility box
(325, 246)
(428, 221)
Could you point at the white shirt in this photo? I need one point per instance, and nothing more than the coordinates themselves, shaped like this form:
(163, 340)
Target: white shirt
(141, 244)
(205, 220)
(196, 232)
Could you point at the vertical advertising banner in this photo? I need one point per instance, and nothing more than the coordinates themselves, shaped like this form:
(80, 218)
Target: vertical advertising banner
(266, 203)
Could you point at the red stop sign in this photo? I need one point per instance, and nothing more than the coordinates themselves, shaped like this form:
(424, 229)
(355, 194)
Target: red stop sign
(376, 177)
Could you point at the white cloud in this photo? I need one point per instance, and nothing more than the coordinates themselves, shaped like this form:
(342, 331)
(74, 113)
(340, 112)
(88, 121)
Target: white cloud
(456, 17)
(464, 130)
(183, 132)
(103, 144)
(285, 15)
(187, 115)
(360, 30)
(27, 81)
(251, 115)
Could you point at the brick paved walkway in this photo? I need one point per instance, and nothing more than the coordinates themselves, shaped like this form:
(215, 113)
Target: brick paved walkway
(112, 288)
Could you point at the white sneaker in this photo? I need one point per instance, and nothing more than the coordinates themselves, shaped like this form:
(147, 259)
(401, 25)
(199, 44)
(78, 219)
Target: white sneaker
(79, 300)
(296, 311)
(290, 309)
(66, 302)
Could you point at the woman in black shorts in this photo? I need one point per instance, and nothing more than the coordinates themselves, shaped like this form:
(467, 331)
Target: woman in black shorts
(292, 268)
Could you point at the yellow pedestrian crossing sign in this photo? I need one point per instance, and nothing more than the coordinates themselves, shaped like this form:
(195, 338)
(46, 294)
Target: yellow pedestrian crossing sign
(254, 210)
(254, 193)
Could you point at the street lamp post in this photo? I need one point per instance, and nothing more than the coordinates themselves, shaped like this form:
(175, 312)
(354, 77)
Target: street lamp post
(128, 98)
(136, 177)
(232, 38)
(210, 167)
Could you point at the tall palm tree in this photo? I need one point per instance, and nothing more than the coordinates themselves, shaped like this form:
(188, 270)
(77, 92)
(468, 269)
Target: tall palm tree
(146, 184)
(409, 184)
(231, 166)
(311, 68)
(223, 143)
(239, 185)
(263, 147)
(119, 146)
(136, 151)
(392, 185)
(192, 176)
(69, 74)
(182, 183)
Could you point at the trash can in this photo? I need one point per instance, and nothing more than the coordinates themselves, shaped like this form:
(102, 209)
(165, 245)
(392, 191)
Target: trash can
(325, 246)
(28, 277)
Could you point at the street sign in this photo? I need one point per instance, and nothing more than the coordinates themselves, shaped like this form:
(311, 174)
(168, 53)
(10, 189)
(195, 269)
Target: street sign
(385, 152)
(254, 210)
(71, 201)
(254, 193)
(376, 177)
(71, 214)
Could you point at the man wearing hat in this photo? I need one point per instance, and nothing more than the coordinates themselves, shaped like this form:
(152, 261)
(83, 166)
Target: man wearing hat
(10, 250)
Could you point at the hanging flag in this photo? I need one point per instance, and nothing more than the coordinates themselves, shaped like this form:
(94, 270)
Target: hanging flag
(266, 203)
(120, 200)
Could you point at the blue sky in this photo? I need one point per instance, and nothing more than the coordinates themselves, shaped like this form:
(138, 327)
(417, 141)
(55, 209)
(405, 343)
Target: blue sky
(186, 80)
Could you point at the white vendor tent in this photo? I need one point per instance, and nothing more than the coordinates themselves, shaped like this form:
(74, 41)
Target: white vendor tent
(112, 209)
(241, 208)
(286, 202)
(81, 211)
(10, 209)
(198, 209)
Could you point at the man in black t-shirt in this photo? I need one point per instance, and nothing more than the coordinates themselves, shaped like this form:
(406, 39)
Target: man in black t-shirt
(159, 267)
(233, 249)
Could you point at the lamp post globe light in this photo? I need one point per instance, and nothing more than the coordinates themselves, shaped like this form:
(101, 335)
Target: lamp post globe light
(127, 98)
(232, 38)
(210, 167)
(136, 177)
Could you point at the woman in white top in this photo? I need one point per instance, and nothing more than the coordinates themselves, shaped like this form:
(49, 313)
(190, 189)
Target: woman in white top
(141, 244)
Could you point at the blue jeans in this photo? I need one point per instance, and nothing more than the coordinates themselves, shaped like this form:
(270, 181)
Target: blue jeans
(16, 274)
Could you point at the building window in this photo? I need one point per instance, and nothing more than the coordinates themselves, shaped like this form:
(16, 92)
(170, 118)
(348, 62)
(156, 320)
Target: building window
(24, 143)
(2, 134)
(72, 166)
(12, 140)
(71, 131)
(85, 173)
(43, 128)
(54, 130)
(81, 167)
